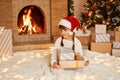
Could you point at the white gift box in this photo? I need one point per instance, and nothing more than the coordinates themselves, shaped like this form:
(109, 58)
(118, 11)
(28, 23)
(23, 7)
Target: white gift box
(102, 37)
(6, 48)
(100, 28)
(116, 52)
(116, 45)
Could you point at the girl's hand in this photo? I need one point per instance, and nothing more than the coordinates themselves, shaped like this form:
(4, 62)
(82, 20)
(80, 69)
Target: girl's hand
(55, 65)
(87, 63)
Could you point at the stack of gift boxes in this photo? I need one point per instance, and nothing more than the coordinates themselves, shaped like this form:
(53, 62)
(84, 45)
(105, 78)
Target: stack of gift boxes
(116, 42)
(101, 41)
(84, 38)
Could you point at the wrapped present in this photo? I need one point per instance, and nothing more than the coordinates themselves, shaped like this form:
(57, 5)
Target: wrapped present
(85, 40)
(6, 48)
(103, 47)
(100, 28)
(78, 62)
(102, 37)
(116, 45)
(72, 64)
(68, 59)
(117, 29)
(117, 34)
(116, 52)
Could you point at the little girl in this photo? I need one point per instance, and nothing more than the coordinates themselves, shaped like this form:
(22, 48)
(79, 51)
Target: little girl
(67, 43)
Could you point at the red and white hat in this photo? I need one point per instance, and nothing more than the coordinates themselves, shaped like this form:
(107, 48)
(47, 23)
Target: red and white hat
(70, 22)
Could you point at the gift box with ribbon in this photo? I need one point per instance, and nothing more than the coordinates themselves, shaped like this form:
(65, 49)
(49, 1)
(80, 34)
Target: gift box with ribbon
(100, 28)
(72, 64)
(77, 62)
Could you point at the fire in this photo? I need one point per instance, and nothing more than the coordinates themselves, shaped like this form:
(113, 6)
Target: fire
(27, 27)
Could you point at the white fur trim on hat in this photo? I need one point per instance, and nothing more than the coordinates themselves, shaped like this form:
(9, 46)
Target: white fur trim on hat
(65, 23)
(71, 32)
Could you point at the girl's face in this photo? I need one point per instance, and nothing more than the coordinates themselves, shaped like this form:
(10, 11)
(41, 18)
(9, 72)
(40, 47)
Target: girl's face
(65, 33)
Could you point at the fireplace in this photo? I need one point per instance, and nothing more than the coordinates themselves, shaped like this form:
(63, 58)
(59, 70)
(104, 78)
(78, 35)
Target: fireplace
(31, 21)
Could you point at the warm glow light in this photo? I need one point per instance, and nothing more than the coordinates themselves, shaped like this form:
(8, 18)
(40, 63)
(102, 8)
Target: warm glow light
(0, 77)
(23, 60)
(27, 23)
(15, 66)
(31, 78)
(53, 48)
(4, 58)
(38, 55)
(5, 70)
(118, 71)
(92, 77)
(111, 0)
(17, 76)
(77, 77)
(0, 62)
(21, 77)
(118, 59)
(42, 78)
(107, 64)
(118, 67)
(83, 77)
(99, 60)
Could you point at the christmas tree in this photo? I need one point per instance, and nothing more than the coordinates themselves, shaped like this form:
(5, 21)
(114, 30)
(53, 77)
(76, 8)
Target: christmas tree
(70, 8)
(101, 12)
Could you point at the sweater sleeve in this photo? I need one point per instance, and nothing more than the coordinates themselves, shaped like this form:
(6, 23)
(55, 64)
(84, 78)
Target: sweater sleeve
(54, 54)
(78, 48)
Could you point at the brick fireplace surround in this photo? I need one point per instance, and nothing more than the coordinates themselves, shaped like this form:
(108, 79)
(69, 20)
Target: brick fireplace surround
(45, 6)
(53, 12)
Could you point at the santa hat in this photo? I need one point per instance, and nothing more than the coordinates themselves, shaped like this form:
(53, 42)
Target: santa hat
(70, 22)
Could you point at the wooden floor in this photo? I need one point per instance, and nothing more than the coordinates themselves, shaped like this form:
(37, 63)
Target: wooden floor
(32, 46)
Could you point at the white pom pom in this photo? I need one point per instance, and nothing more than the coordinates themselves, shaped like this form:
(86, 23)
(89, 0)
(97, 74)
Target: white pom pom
(70, 33)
